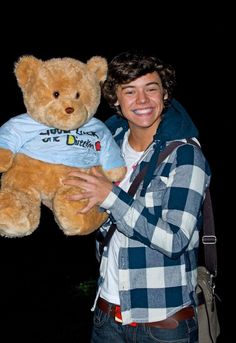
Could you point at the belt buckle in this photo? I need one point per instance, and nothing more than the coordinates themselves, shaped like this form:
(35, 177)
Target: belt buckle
(118, 317)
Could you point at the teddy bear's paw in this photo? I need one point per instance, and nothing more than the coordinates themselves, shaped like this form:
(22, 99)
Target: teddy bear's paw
(12, 227)
(116, 174)
(6, 158)
(68, 218)
(81, 224)
(18, 216)
(73, 223)
(8, 230)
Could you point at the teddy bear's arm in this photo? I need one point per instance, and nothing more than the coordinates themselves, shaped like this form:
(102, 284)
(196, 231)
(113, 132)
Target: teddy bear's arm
(13, 134)
(116, 174)
(111, 159)
(7, 140)
(6, 158)
(18, 130)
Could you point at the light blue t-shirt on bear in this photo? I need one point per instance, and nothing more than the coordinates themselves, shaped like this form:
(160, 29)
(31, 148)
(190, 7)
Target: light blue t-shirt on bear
(90, 145)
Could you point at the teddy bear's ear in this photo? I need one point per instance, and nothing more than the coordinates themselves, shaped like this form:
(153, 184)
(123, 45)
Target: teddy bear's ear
(98, 65)
(25, 67)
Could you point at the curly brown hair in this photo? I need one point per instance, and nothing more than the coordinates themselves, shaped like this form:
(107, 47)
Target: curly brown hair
(128, 66)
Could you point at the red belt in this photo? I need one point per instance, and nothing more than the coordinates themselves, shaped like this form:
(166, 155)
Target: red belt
(169, 323)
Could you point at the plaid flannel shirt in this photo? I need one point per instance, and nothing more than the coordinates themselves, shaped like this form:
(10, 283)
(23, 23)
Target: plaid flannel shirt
(159, 249)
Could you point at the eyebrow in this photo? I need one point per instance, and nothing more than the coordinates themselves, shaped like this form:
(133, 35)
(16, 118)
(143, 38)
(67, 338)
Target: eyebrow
(147, 84)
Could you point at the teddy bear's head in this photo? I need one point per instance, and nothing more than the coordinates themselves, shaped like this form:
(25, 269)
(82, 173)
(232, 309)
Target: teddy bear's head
(61, 92)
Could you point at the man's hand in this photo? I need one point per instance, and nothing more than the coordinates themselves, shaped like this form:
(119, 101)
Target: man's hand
(94, 187)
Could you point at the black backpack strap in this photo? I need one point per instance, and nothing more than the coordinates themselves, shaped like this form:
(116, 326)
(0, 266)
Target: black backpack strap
(209, 237)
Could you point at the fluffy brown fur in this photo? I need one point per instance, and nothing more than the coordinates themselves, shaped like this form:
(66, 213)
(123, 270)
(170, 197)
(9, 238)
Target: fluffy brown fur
(26, 182)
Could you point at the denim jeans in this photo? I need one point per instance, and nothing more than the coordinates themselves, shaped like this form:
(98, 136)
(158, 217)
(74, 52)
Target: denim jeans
(106, 330)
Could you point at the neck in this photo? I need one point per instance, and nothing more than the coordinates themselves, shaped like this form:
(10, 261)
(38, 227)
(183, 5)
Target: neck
(140, 138)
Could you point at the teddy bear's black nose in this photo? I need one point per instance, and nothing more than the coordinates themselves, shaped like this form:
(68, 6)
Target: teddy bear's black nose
(69, 110)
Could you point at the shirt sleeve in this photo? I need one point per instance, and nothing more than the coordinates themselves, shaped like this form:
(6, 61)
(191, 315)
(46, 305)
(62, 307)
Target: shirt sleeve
(110, 156)
(12, 135)
(167, 216)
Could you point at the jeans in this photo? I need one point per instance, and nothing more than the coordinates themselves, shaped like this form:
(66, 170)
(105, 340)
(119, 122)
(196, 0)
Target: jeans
(106, 330)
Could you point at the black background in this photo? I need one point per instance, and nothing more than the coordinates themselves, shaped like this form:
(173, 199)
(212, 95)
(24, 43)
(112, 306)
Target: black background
(40, 274)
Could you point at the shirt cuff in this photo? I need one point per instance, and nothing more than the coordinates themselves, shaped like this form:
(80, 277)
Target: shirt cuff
(109, 201)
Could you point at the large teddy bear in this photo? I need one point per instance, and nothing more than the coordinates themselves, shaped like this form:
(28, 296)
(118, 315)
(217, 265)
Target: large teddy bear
(58, 134)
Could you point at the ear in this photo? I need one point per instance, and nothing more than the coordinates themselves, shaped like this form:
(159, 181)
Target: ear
(25, 67)
(98, 65)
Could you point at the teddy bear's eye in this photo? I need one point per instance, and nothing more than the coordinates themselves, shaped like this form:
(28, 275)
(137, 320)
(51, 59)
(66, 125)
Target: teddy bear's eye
(56, 94)
(77, 95)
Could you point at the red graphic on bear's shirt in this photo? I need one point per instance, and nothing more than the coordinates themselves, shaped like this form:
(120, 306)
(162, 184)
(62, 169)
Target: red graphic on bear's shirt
(98, 146)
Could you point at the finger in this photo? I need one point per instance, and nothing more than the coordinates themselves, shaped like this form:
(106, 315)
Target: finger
(82, 176)
(75, 197)
(96, 172)
(87, 208)
(77, 183)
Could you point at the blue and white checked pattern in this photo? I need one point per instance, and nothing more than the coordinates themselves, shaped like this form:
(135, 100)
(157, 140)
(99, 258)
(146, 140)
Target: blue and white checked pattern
(158, 256)
(157, 266)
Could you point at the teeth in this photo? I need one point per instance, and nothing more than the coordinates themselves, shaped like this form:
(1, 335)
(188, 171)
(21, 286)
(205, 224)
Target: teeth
(144, 111)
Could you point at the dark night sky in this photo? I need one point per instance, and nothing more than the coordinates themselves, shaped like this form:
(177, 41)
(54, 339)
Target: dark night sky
(197, 44)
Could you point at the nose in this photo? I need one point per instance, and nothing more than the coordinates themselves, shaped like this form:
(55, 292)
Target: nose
(141, 97)
(69, 110)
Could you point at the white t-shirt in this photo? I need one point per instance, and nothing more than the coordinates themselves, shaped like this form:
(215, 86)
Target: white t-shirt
(109, 289)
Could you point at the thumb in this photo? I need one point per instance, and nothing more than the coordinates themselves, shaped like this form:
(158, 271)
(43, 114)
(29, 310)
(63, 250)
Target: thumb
(96, 172)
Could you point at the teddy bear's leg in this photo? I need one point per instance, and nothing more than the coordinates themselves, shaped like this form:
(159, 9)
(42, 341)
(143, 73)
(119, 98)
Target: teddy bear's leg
(68, 218)
(19, 213)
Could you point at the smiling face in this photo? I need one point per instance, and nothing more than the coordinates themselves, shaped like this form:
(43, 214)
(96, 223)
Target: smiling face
(142, 102)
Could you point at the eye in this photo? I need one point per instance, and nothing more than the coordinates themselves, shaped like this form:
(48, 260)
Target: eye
(77, 95)
(56, 94)
(152, 89)
(129, 91)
